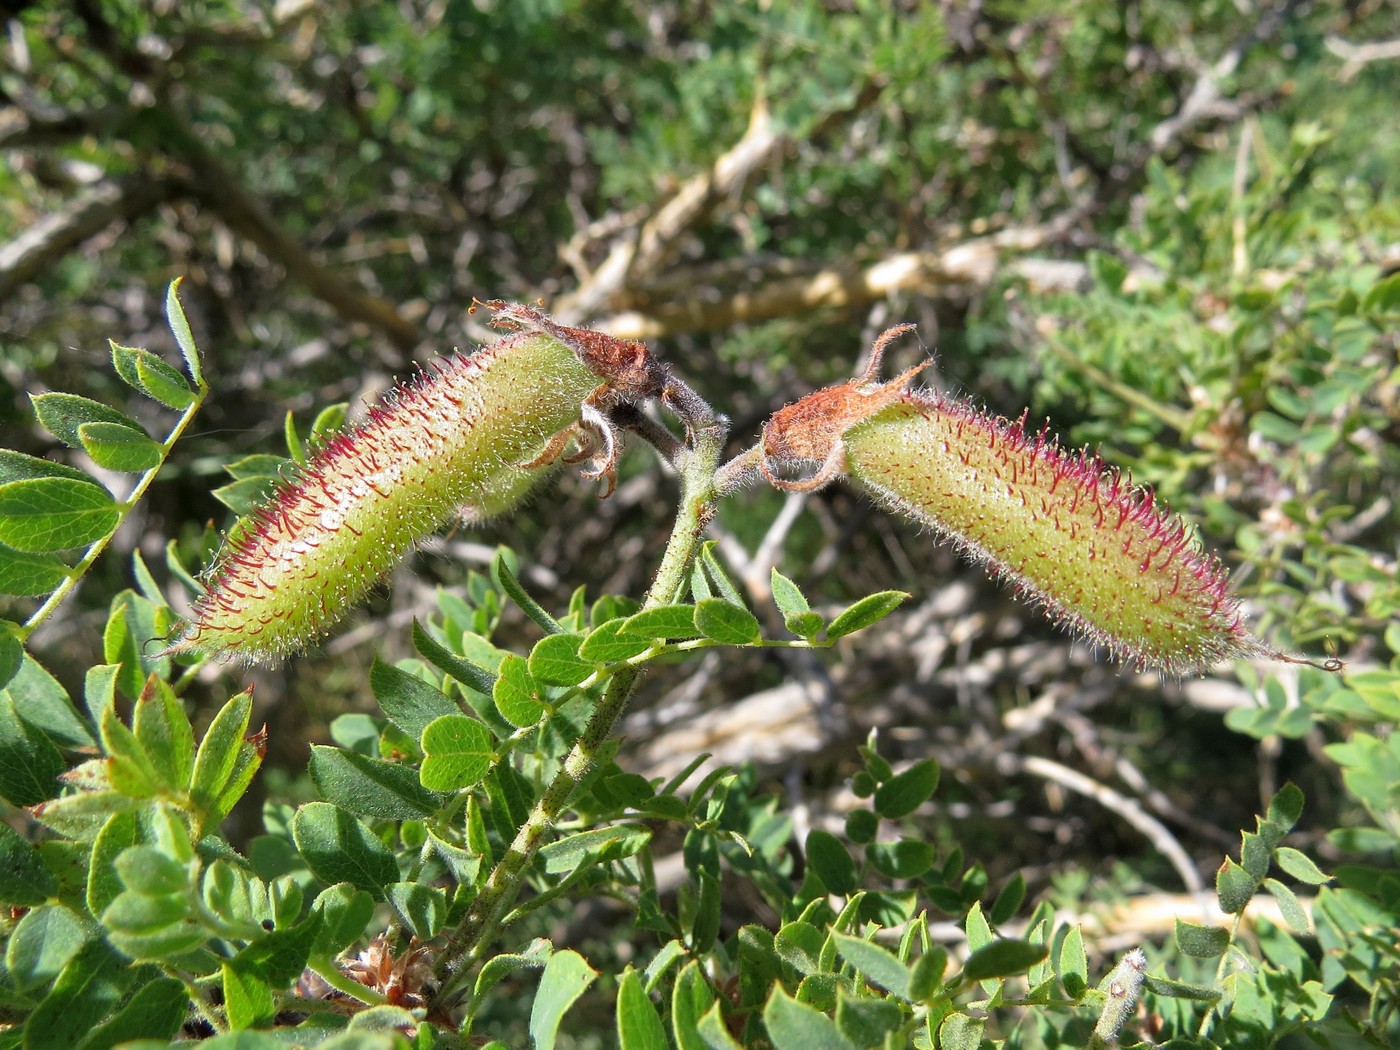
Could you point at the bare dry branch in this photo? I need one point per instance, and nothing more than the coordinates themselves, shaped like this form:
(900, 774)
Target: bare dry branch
(952, 272)
(1205, 100)
(1155, 915)
(1357, 56)
(218, 189)
(208, 182)
(1128, 808)
(772, 729)
(645, 249)
(93, 211)
(50, 126)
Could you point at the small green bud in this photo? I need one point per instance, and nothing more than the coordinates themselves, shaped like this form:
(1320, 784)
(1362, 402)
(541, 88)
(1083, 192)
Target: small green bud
(1120, 989)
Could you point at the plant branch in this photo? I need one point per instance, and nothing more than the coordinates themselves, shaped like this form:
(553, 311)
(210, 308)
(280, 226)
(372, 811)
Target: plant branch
(218, 189)
(91, 212)
(643, 246)
(1205, 100)
(35, 124)
(1175, 418)
(1157, 833)
(1358, 56)
(644, 249)
(950, 272)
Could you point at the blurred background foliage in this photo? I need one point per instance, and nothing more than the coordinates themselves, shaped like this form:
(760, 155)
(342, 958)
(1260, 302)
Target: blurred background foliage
(1171, 228)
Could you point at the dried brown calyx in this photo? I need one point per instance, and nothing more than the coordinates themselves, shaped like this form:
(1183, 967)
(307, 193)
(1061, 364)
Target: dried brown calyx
(810, 431)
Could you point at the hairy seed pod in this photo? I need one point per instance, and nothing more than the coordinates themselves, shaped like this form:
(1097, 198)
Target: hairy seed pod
(472, 435)
(1078, 537)
(1099, 553)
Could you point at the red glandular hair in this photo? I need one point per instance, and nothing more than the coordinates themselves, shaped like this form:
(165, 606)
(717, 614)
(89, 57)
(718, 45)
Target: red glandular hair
(1071, 533)
(1099, 553)
(472, 432)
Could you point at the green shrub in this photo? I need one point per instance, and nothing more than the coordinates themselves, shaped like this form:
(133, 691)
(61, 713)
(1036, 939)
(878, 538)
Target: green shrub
(450, 830)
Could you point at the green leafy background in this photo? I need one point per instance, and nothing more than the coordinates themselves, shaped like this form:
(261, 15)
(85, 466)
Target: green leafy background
(1209, 296)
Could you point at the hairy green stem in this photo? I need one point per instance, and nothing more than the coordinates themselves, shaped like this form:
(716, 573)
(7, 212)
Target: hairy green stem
(465, 946)
(1221, 969)
(1121, 992)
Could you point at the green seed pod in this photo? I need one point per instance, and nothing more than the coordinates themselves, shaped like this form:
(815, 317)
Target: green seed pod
(471, 435)
(1079, 538)
(1099, 553)
(504, 492)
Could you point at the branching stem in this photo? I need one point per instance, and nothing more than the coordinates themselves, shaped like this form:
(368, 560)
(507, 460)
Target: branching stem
(133, 498)
(697, 464)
